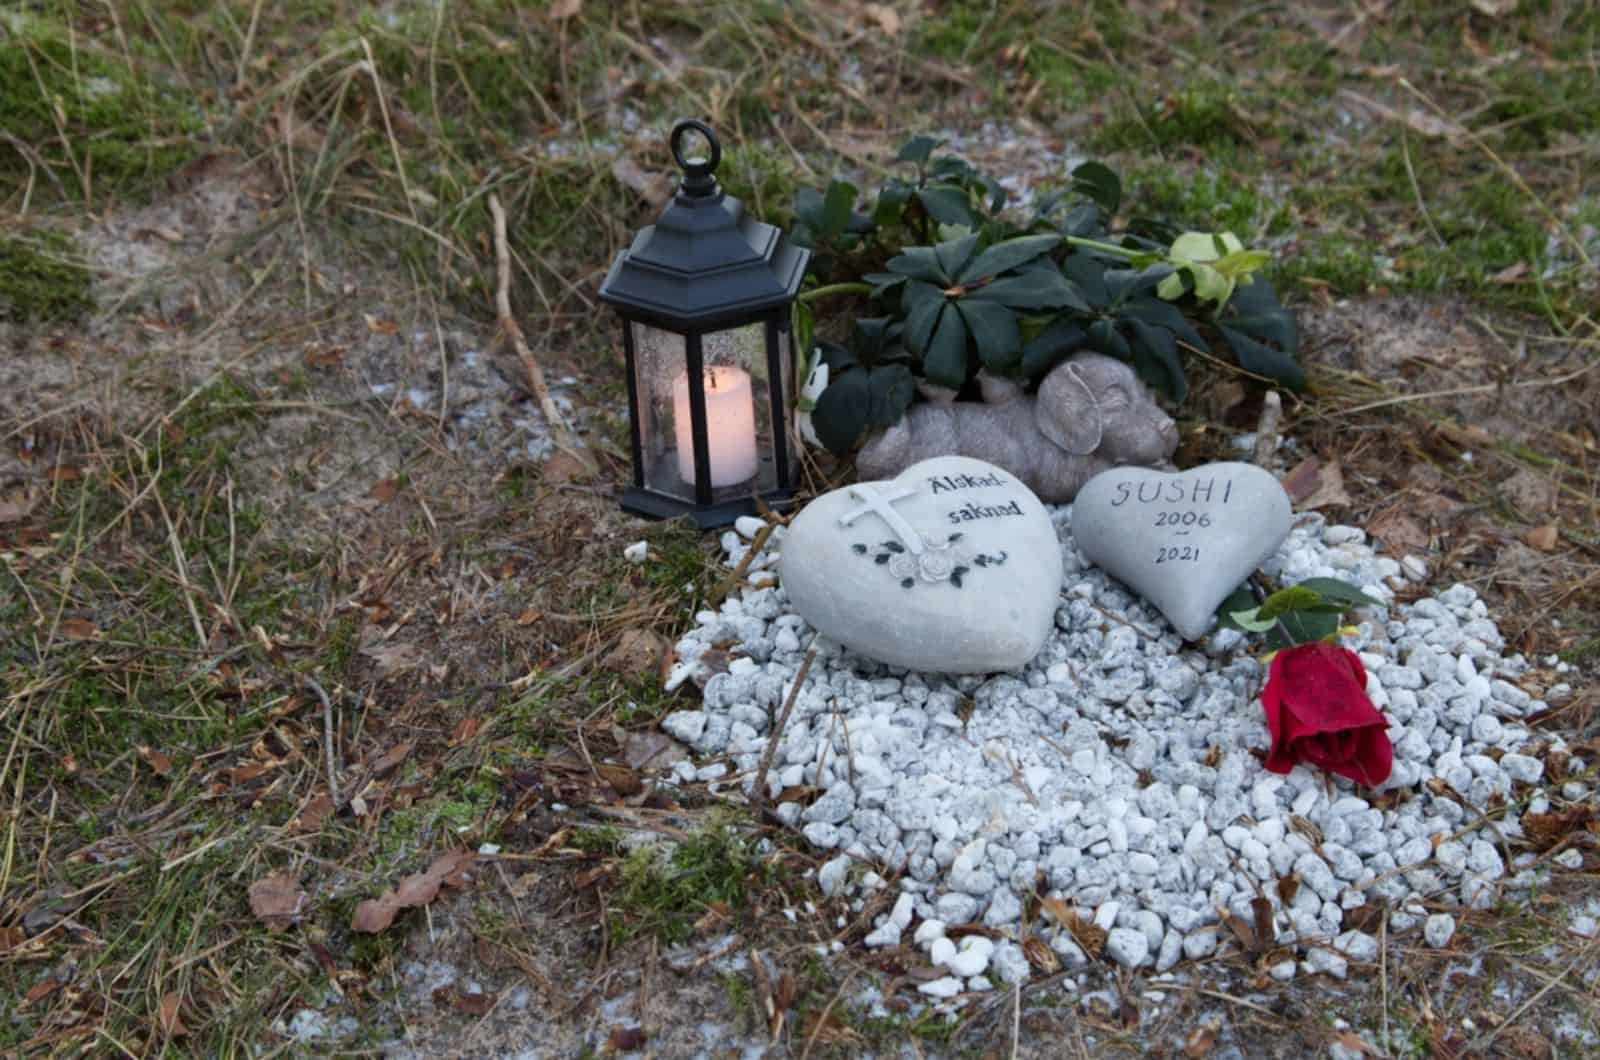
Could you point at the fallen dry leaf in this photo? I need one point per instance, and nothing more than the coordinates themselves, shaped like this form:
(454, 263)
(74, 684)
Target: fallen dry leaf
(313, 816)
(390, 760)
(1511, 273)
(1090, 937)
(451, 869)
(625, 1040)
(1543, 538)
(277, 901)
(529, 616)
(623, 780)
(159, 763)
(638, 653)
(392, 658)
(565, 9)
(465, 730)
(1330, 489)
(1397, 532)
(1040, 955)
(1494, 8)
(887, 18)
(477, 1004)
(380, 327)
(565, 466)
(16, 505)
(1200, 1042)
(654, 188)
(65, 473)
(651, 749)
(79, 629)
(167, 1017)
(383, 491)
(1302, 479)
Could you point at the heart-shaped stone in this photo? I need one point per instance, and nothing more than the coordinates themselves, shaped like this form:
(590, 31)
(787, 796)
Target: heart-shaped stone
(1182, 540)
(951, 567)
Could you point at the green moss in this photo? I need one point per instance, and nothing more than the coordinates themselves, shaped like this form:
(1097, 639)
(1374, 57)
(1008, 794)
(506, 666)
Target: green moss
(662, 894)
(1343, 266)
(87, 115)
(1203, 200)
(41, 278)
(1207, 114)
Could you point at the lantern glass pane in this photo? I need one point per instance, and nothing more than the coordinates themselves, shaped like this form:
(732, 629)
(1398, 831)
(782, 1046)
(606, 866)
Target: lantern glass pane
(738, 410)
(658, 360)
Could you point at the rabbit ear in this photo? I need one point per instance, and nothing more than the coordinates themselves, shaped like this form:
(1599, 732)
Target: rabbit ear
(1068, 412)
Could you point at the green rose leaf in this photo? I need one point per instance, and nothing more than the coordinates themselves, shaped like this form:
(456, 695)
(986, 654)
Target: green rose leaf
(917, 149)
(945, 361)
(1007, 255)
(995, 333)
(947, 204)
(1033, 290)
(844, 412)
(1099, 182)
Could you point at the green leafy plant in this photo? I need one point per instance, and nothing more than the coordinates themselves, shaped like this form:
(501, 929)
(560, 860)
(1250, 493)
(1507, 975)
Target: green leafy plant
(964, 287)
(1307, 611)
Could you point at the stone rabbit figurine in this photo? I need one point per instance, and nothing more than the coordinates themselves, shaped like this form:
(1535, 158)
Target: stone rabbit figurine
(1091, 413)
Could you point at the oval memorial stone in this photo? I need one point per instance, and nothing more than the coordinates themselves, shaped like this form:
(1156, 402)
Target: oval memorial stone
(1183, 540)
(951, 567)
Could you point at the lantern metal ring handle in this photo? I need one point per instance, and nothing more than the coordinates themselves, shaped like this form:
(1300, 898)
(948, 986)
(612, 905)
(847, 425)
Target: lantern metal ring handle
(697, 173)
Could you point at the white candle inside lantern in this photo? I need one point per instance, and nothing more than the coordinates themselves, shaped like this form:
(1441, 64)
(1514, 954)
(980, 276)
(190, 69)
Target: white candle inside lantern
(730, 426)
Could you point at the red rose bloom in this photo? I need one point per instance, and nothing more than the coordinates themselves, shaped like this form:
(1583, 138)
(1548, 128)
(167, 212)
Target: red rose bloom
(1318, 712)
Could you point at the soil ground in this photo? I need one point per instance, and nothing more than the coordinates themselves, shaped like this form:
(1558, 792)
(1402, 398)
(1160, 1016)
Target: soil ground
(277, 503)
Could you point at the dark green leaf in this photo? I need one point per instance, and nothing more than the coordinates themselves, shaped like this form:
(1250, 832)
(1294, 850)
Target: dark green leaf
(947, 205)
(954, 253)
(1262, 333)
(1292, 598)
(837, 357)
(1123, 284)
(1100, 183)
(1241, 599)
(1007, 255)
(1060, 338)
(1104, 337)
(1339, 592)
(917, 149)
(1035, 289)
(843, 412)
(919, 263)
(923, 317)
(1085, 221)
(995, 333)
(1155, 358)
(950, 170)
(882, 281)
(1088, 276)
(1261, 359)
(945, 361)
(1302, 627)
(892, 387)
(1167, 315)
(871, 336)
(836, 208)
(891, 203)
(808, 207)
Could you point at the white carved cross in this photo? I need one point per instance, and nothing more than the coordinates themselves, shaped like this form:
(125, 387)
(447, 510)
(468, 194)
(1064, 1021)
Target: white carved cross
(881, 505)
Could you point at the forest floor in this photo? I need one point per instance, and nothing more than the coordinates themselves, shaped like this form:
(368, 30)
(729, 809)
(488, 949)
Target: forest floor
(300, 597)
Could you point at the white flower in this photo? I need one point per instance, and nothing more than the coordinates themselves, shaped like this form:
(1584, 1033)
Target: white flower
(934, 566)
(903, 565)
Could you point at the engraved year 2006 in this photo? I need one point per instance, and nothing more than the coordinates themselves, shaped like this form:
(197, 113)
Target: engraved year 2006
(1178, 554)
(1182, 519)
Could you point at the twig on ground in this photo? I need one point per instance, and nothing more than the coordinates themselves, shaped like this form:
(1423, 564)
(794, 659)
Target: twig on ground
(1267, 429)
(513, 330)
(327, 738)
(758, 793)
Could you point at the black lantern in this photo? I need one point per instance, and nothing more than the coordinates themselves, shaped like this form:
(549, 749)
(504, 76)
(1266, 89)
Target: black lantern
(704, 295)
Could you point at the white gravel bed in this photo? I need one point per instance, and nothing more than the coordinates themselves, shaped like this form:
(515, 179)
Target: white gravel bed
(1119, 771)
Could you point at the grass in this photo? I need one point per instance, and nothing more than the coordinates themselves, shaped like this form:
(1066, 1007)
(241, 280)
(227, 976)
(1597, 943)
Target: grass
(186, 564)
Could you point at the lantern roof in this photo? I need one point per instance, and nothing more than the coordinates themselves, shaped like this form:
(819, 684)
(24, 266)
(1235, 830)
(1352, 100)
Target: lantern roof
(704, 263)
